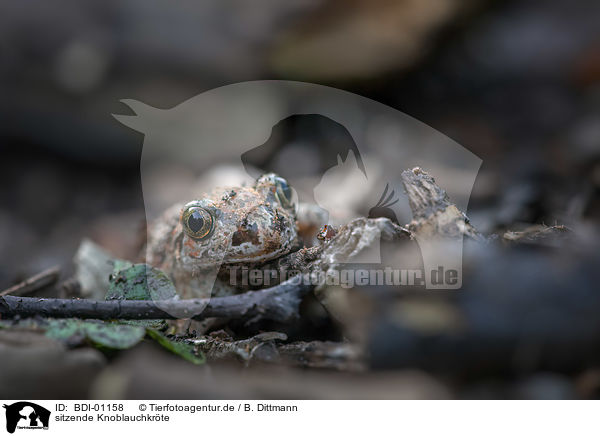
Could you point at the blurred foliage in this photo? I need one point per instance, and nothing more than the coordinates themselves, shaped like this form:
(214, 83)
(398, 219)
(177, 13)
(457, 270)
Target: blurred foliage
(188, 351)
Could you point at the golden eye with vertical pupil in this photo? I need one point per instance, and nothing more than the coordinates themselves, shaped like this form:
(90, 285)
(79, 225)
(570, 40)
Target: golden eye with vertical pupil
(198, 222)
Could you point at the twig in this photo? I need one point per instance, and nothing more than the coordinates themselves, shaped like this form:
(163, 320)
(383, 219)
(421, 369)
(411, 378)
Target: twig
(342, 356)
(265, 347)
(279, 303)
(550, 236)
(32, 284)
(217, 348)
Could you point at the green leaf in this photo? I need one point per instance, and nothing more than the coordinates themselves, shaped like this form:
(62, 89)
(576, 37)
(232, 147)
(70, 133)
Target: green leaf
(103, 334)
(139, 282)
(187, 351)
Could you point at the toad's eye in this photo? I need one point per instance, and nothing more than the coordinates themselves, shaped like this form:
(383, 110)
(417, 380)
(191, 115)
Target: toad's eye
(197, 222)
(283, 192)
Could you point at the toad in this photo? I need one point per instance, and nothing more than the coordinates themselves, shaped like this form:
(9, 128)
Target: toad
(230, 226)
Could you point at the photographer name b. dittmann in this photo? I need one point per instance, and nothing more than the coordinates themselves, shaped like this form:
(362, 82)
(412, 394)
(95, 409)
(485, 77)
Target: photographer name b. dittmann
(265, 407)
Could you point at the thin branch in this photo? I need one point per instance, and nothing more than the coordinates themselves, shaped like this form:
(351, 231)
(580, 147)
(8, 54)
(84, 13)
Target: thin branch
(45, 278)
(279, 303)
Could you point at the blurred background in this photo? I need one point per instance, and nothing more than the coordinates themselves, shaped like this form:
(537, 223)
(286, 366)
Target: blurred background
(515, 82)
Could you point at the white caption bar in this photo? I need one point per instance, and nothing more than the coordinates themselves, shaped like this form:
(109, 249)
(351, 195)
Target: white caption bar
(462, 418)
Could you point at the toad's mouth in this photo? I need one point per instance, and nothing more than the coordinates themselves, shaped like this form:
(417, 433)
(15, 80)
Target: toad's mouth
(200, 260)
(259, 257)
(244, 253)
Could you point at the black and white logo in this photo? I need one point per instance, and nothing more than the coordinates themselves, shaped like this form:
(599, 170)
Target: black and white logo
(26, 415)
